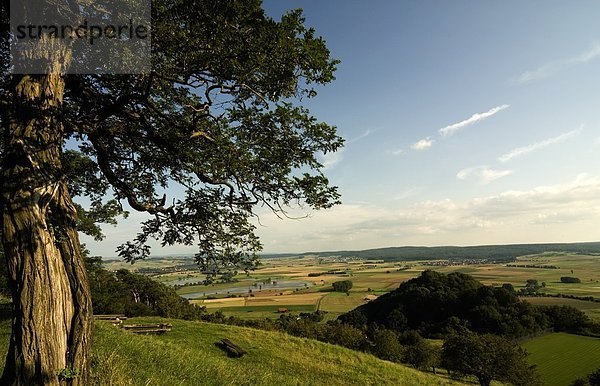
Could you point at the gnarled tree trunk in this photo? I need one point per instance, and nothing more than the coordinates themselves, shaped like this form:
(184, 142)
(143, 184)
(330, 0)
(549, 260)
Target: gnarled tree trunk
(51, 330)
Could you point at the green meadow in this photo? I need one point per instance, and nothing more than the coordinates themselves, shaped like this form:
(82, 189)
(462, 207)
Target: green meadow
(562, 358)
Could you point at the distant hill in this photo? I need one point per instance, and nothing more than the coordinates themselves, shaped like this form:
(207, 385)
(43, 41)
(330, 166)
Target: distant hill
(481, 252)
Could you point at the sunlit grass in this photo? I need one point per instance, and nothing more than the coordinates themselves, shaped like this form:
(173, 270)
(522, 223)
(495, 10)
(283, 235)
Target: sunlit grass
(188, 356)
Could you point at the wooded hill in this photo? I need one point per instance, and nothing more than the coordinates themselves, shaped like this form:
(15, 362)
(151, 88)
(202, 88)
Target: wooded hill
(438, 305)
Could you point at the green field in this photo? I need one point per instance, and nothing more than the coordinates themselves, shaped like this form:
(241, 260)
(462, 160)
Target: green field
(378, 277)
(336, 304)
(371, 277)
(562, 358)
(188, 356)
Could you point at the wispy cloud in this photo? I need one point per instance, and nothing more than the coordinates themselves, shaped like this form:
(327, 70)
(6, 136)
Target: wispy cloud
(362, 136)
(520, 151)
(422, 144)
(331, 160)
(484, 174)
(553, 67)
(401, 151)
(451, 129)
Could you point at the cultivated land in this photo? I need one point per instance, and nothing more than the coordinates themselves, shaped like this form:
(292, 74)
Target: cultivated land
(291, 283)
(562, 358)
(188, 356)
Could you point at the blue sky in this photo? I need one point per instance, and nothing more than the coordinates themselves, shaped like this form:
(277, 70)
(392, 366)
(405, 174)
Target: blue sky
(466, 123)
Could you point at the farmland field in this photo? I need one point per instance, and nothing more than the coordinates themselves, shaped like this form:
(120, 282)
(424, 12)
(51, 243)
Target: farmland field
(304, 283)
(562, 358)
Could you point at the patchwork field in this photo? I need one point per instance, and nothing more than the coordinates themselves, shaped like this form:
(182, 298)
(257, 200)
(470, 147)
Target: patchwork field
(303, 284)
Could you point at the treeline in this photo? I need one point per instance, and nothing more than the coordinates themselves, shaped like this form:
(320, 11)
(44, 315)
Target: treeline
(483, 252)
(330, 272)
(533, 266)
(131, 294)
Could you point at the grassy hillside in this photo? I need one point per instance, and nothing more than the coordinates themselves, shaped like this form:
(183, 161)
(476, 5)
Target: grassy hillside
(188, 356)
(562, 358)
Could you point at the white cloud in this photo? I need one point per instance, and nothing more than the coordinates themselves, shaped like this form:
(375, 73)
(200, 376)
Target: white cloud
(520, 151)
(553, 67)
(562, 212)
(401, 151)
(484, 174)
(451, 129)
(422, 144)
(554, 213)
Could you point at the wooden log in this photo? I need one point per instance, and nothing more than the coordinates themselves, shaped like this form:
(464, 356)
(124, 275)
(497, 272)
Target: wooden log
(160, 328)
(110, 317)
(232, 349)
(157, 331)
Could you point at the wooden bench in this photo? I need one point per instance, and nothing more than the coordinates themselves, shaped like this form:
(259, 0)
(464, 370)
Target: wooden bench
(233, 350)
(160, 328)
(114, 319)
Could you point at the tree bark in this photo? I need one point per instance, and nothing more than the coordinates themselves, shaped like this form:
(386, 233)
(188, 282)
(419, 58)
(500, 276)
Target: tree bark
(52, 321)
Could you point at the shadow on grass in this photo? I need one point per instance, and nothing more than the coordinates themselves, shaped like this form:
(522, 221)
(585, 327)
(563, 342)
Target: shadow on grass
(5, 309)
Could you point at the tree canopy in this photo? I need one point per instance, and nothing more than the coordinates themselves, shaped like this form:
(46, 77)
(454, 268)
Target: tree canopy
(342, 286)
(216, 130)
(437, 305)
(488, 358)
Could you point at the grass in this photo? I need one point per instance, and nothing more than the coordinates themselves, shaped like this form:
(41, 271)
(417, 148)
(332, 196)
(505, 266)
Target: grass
(579, 304)
(188, 356)
(337, 302)
(562, 358)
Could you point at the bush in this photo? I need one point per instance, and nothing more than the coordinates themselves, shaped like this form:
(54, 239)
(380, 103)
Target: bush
(422, 355)
(594, 378)
(386, 346)
(342, 286)
(343, 335)
(569, 279)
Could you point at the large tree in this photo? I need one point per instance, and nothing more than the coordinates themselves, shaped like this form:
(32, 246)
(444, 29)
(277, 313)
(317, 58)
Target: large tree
(218, 120)
(488, 357)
